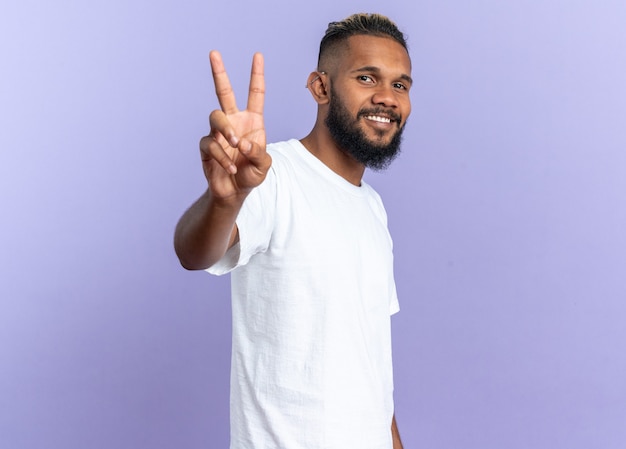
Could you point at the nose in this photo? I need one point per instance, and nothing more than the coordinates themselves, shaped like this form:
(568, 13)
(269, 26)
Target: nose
(385, 96)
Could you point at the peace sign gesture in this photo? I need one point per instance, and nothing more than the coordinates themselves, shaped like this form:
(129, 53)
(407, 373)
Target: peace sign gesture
(234, 157)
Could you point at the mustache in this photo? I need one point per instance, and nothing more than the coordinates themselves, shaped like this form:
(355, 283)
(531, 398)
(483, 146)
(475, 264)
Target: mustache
(393, 116)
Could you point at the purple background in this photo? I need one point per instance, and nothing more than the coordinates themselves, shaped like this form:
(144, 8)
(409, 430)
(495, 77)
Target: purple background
(507, 208)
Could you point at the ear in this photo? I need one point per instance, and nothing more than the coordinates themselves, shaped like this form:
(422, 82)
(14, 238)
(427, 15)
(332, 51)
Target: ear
(316, 83)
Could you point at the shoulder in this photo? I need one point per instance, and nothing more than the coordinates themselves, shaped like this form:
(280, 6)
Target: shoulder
(371, 193)
(284, 154)
(375, 200)
(282, 150)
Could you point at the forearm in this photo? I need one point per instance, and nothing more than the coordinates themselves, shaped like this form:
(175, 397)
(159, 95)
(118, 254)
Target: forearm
(206, 231)
(395, 435)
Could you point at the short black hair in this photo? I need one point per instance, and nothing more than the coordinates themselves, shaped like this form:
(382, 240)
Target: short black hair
(360, 24)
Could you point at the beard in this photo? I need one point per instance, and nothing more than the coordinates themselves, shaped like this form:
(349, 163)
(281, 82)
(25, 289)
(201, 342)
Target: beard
(351, 139)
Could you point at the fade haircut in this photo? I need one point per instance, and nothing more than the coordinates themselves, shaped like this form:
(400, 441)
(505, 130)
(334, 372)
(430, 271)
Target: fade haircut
(338, 33)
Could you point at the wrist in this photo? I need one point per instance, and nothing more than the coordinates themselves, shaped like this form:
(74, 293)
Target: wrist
(234, 200)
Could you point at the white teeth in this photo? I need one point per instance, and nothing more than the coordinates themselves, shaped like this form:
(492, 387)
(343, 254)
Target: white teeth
(379, 119)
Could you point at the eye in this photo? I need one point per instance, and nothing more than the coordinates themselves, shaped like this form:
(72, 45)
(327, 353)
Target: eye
(400, 86)
(366, 79)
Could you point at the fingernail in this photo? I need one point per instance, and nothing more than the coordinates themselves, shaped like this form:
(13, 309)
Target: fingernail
(232, 169)
(234, 141)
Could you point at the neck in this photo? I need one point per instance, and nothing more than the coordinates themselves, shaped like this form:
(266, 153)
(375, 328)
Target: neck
(322, 145)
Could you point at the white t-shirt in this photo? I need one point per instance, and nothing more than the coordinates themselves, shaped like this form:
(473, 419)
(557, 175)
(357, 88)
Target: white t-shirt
(312, 292)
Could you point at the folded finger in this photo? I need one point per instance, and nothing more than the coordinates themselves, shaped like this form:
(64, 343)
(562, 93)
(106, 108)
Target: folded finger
(212, 150)
(219, 123)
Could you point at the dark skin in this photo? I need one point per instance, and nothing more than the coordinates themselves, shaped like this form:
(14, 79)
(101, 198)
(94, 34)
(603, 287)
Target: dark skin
(368, 71)
(234, 161)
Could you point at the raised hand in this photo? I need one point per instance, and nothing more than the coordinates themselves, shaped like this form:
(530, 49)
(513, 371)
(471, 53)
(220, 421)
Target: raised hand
(234, 158)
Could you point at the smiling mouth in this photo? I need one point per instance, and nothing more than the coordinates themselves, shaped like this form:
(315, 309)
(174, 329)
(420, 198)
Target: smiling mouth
(378, 118)
(381, 116)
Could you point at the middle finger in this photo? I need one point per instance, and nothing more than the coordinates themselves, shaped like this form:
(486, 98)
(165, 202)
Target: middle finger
(223, 89)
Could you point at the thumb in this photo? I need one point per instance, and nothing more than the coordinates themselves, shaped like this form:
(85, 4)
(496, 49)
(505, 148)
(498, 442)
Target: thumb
(256, 154)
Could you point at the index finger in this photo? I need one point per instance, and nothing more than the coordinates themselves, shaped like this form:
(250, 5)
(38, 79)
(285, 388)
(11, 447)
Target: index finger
(223, 89)
(256, 93)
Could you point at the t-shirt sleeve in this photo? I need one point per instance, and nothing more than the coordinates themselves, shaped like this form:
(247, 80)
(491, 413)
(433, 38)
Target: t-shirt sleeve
(394, 304)
(255, 223)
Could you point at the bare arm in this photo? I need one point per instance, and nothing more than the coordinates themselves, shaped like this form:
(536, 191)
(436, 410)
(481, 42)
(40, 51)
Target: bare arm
(397, 443)
(234, 162)
(206, 231)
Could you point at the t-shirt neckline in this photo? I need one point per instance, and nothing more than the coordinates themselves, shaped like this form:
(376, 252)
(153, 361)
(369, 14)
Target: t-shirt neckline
(326, 171)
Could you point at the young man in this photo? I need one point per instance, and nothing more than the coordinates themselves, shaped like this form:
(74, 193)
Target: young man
(307, 243)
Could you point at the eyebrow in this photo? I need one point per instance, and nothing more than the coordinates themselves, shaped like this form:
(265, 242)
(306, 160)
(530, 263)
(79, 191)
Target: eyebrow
(374, 69)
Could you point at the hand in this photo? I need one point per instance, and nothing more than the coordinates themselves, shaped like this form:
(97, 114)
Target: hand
(234, 157)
